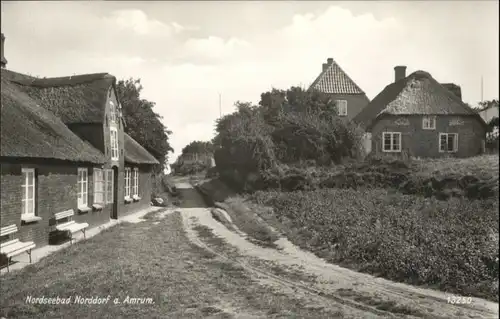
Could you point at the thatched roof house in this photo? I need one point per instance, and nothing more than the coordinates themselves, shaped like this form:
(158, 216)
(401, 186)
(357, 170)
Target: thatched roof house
(419, 115)
(417, 94)
(63, 148)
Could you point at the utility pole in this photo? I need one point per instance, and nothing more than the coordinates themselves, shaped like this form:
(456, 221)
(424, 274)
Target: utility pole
(220, 105)
(482, 88)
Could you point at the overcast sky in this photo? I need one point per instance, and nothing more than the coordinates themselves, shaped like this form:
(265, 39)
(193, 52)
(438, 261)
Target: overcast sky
(187, 52)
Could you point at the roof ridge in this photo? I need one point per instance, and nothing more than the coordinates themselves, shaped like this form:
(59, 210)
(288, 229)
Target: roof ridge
(345, 74)
(29, 80)
(334, 80)
(71, 80)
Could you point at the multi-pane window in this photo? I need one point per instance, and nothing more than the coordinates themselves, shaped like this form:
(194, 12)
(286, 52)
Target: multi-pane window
(127, 181)
(342, 107)
(429, 122)
(108, 185)
(448, 142)
(98, 186)
(112, 112)
(136, 182)
(28, 201)
(114, 143)
(83, 183)
(391, 142)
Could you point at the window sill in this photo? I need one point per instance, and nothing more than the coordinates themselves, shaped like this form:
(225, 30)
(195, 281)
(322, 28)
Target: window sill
(392, 151)
(30, 219)
(83, 209)
(97, 207)
(127, 200)
(136, 198)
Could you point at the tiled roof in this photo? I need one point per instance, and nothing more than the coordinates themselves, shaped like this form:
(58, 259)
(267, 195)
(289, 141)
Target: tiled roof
(417, 94)
(334, 80)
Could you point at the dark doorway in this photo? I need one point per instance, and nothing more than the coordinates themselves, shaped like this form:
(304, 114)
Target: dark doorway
(114, 210)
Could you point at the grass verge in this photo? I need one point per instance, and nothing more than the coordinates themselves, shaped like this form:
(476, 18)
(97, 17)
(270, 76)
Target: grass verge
(143, 260)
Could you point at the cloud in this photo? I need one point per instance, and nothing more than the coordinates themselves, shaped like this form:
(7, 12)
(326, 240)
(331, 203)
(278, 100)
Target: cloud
(212, 50)
(138, 22)
(184, 75)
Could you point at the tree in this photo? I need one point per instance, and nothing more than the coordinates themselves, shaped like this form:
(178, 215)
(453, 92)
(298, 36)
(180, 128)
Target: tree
(198, 147)
(142, 123)
(286, 127)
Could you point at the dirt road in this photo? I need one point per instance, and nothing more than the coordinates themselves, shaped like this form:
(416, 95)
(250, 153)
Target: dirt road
(299, 273)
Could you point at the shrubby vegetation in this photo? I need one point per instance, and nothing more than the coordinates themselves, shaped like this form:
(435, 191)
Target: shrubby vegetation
(256, 142)
(194, 159)
(452, 245)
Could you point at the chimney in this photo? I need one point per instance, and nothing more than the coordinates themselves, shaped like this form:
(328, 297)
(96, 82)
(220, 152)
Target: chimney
(325, 66)
(329, 61)
(453, 88)
(4, 61)
(399, 72)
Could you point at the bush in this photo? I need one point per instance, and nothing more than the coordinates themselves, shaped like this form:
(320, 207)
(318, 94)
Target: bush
(288, 127)
(452, 244)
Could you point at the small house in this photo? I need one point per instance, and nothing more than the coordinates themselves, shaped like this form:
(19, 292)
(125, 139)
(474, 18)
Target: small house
(417, 116)
(349, 97)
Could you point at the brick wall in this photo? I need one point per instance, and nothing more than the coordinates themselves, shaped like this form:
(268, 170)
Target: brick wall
(425, 143)
(56, 191)
(145, 189)
(355, 103)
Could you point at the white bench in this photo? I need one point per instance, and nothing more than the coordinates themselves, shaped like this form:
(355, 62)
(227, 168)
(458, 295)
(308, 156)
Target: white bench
(69, 226)
(14, 247)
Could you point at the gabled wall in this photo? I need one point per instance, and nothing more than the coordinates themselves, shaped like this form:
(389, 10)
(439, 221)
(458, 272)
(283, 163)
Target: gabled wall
(355, 103)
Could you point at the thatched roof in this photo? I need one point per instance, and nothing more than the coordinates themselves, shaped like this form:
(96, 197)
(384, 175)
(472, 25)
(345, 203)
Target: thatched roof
(417, 94)
(30, 131)
(334, 80)
(135, 153)
(74, 99)
(453, 88)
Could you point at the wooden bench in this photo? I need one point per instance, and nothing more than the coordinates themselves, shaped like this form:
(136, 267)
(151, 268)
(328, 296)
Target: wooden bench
(14, 247)
(70, 225)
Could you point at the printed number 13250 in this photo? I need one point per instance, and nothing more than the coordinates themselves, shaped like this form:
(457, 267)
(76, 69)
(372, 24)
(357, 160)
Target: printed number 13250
(459, 300)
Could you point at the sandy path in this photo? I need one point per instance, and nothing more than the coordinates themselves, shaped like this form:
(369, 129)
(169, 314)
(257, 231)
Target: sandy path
(355, 288)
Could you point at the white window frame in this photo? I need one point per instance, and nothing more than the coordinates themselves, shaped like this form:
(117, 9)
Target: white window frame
(392, 148)
(455, 142)
(98, 186)
(83, 187)
(135, 189)
(342, 107)
(112, 112)
(127, 182)
(108, 184)
(115, 155)
(26, 173)
(429, 123)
